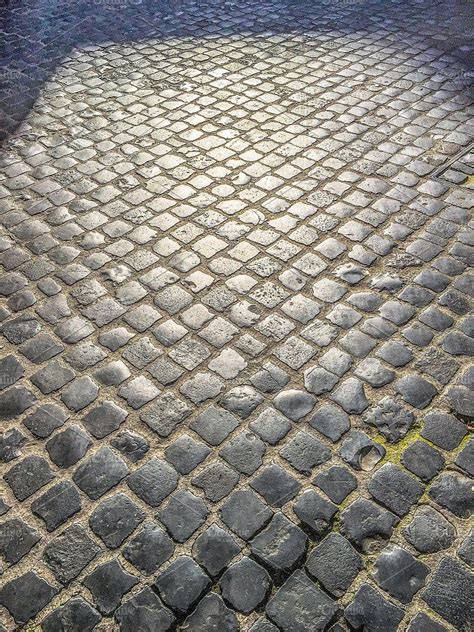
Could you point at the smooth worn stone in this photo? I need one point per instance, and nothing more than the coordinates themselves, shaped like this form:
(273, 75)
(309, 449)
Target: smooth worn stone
(52, 377)
(29, 475)
(331, 421)
(186, 453)
(429, 531)
(69, 446)
(334, 563)
(25, 596)
(57, 504)
(370, 610)
(453, 492)
(245, 514)
(299, 605)
(214, 549)
(182, 584)
(465, 458)
(443, 430)
(114, 519)
(395, 353)
(138, 392)
(15, 401)
(360, 451)
(212, 615)
(153, 481)
(112, 374)
(275, 485)
(390, 418)
(415, 390)
(104, 419)
(374, 372)
(336, 482)
(423, 460)
(149, 549)
(69, 553)
(449, 593)
(280, 547)
(108, 583)
(363, 522)
(17, 538)
(245, 585)
(318, 380)
(399, 573)
(75, 614)
(294, 404)
(100, 472)
(144, 611)
(80, 393)
(315, 512)
(183, 515)
(350, 396)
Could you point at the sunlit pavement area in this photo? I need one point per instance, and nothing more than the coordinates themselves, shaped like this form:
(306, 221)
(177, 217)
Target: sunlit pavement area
(236, 316)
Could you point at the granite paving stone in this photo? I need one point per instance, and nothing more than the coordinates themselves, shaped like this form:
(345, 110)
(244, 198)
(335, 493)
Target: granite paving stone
(235, 315)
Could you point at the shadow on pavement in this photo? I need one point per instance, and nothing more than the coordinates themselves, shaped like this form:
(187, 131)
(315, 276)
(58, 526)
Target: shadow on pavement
(36, 35)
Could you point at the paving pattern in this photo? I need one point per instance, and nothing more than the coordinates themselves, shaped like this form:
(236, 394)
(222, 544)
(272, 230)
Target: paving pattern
(236, 320)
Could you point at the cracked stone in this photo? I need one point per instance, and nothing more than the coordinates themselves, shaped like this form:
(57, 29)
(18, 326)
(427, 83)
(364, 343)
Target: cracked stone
(183, 515)
(58, 504)
(395, 489)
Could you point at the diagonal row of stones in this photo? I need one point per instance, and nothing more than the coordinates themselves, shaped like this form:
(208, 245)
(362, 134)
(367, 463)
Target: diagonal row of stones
(213, 412)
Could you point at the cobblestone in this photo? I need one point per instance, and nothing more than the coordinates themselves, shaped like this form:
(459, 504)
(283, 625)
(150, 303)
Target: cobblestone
(235, 250)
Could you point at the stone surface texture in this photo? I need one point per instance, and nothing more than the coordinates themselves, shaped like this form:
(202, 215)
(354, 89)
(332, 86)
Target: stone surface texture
(236, 327)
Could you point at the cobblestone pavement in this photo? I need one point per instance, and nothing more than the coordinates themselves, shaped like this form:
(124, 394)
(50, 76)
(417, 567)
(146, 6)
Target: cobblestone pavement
(236, 327)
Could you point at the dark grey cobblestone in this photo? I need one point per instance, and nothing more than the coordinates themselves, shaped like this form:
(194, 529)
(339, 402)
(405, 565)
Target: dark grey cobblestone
(235, 250)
